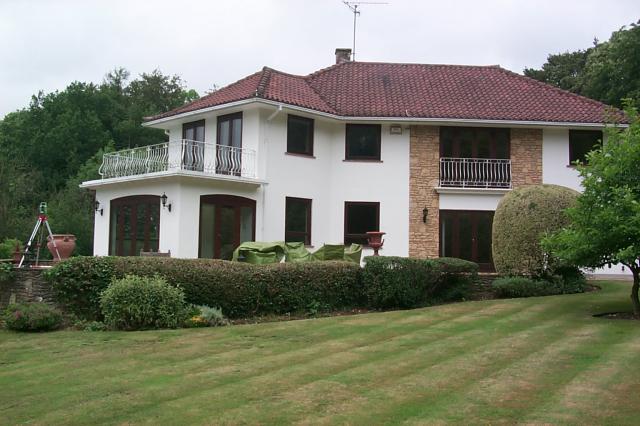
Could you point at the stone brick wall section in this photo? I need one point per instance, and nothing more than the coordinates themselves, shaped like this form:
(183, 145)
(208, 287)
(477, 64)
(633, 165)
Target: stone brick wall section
(526, 156)
(29, 285)
(424, 174)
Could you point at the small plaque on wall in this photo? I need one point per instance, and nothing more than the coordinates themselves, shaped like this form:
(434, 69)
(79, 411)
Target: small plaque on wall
(395, 129)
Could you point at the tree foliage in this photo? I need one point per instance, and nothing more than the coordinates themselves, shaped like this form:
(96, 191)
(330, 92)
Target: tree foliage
(605, 223)
(608, 72)
(49, 147)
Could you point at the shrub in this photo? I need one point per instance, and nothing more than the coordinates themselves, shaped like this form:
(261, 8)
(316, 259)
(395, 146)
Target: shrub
(136, 303)
(35, 316)
(205, 316)
(399, 282)
(78, 282)
(240, 290)
(523, 287)
(6, 273)
(523, 217)
(8, 247)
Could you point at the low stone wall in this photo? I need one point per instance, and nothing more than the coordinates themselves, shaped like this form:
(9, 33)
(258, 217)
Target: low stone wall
(481, 289)
(28, 285)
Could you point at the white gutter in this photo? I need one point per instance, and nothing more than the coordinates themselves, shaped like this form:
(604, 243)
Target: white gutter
(435, 121)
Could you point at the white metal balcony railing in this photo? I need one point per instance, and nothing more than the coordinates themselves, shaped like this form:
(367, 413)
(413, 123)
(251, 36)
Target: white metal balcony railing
(184, 154)
(475, 173)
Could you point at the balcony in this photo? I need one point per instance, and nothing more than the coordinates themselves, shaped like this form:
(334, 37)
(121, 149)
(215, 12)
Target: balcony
(476, 173)
(191, 157)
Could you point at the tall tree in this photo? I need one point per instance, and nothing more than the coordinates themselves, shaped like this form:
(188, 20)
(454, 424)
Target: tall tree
(46, 148)
(564, 70)
(605, 224)
(608, 72)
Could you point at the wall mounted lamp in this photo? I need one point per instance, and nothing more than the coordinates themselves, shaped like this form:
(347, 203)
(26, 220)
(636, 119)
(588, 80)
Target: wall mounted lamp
(164, 202)
(97, 208)
(425, 212)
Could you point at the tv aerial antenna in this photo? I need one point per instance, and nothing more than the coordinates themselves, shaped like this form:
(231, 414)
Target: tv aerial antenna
(354, 7)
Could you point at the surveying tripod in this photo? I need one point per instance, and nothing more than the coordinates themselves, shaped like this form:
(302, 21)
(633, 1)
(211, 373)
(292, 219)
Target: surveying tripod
(42, 219)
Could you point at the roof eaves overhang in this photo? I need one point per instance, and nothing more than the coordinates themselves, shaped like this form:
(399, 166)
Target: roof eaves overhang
(407, 120)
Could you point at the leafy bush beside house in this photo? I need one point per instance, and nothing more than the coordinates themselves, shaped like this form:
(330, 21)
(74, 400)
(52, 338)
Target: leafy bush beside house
(522, 219)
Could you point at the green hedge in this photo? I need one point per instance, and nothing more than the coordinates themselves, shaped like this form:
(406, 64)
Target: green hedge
(508, 287)
(400, 282)
(240, 289)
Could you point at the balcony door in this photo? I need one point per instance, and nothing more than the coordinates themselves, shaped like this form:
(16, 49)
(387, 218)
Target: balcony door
(467, 235)
(193, 146)
(226, 221)
(229, 146)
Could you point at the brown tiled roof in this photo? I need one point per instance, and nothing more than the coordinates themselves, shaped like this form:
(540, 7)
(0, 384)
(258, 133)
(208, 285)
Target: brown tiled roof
(371, 89)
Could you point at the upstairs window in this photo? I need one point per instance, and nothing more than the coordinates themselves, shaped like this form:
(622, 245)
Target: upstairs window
(362, 142)
(300, 135)
(475, 142)
(581, 142)
(297, 226)
(360, 218)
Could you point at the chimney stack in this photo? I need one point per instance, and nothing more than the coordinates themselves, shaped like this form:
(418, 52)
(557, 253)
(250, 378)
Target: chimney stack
(343, 55)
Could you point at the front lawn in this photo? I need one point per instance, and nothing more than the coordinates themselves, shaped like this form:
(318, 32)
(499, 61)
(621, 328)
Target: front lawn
(538, 360)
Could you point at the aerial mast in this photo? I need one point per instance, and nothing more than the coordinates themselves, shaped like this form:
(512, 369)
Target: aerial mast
(353, 6)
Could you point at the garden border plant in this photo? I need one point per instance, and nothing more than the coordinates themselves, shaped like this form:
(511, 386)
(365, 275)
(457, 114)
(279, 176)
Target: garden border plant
(246, 291)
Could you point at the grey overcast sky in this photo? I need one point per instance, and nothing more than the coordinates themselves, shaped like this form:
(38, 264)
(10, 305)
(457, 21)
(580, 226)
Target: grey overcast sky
(45, 45)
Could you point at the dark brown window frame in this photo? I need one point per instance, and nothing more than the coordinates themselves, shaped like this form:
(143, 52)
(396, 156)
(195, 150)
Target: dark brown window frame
(572, 161)
(230, 118)
(234, 201)
(362, 158)
(311, 121)
(193, 125)
(347, 235)
(134, 201)
(307, 233)
(492, 145)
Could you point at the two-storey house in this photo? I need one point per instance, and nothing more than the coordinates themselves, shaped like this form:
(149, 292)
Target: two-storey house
(421, 152)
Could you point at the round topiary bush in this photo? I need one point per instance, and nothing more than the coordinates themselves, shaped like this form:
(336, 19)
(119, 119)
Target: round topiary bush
(523, 217)
(35, 316)
(138, 303)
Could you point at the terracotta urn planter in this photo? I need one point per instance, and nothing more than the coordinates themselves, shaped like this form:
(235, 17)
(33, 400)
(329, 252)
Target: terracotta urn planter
(375, 241)
(65, 243)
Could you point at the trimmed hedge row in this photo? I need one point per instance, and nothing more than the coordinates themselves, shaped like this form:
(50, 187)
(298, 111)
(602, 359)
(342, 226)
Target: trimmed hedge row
(242, 290)
(400, 282)
(239, 289)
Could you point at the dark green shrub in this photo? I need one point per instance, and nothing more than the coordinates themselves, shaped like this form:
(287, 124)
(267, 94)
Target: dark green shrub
(35, 316)
(240, 290)
(6, 273)
(400, 282)
(453, 265)
(508, 287)
(8, 247)
(523, 217)
(138, 303)
(294, 287)
(78, 282)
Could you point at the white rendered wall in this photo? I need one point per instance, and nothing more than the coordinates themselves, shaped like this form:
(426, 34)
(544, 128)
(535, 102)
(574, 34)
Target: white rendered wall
(475, 201)
(330, 181)
(178, 227)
